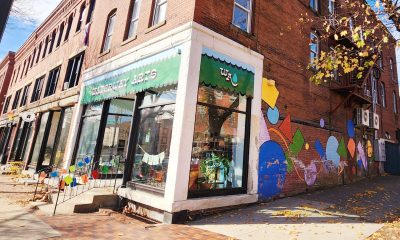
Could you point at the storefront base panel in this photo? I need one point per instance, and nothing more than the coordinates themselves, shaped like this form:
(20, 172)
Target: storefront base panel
(154, 207)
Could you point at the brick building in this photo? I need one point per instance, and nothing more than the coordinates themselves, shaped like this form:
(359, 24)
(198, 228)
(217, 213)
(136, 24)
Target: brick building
(182, 90)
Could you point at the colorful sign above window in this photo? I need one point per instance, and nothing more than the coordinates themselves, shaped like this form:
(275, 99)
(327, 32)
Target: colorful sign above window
(225, 75)
(158, 74)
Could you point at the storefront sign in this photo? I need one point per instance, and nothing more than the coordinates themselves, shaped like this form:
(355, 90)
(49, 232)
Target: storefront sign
(161, 73)
(227, 76)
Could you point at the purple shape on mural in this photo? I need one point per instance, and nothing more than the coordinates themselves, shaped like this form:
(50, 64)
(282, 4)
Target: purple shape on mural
(350, 128)
(310, 174)
(361, 155)
(264, 134)
(271, 170)
(322, 122)
(331, 150)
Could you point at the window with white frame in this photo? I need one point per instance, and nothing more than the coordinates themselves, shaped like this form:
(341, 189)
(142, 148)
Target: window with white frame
(242, 14)
(331, 7)
(314, 5)
(160, 11)
(109, 32)
(394, 102)
(391, 65)
(314, 46)
(383, 95)
(133, 19)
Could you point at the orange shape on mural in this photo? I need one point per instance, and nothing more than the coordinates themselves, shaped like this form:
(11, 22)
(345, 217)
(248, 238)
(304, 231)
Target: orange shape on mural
(351, 146)
(286, 128)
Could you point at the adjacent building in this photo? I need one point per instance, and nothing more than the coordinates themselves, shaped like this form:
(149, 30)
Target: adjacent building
(4, 13)
(208, 102)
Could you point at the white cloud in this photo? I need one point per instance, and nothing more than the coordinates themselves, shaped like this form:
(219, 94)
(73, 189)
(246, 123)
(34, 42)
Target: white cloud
(33, 11)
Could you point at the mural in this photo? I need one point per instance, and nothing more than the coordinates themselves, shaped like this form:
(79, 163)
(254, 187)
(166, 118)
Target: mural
(284, 151)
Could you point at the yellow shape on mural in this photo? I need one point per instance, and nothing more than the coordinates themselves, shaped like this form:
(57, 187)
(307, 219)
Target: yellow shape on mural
(370, 150)
(269, 92)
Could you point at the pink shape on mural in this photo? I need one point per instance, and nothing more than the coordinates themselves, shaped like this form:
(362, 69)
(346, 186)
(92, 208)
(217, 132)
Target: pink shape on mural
(264, 134)
(361, 155)
(310, 174)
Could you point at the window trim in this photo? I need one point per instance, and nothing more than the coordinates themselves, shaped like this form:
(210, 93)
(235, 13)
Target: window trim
(249, 15)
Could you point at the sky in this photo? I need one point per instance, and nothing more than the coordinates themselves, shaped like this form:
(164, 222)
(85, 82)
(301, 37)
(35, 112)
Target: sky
(21, 23)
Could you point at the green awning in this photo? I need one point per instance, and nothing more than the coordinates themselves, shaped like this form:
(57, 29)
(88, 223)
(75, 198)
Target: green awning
(131, 79)
(226, 76)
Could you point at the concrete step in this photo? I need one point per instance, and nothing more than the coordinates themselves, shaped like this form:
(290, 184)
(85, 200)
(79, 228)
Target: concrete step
(89, 201)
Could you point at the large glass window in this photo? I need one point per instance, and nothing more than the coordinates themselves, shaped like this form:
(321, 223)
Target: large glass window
(89, 131)
(154, 138)
(242, 14)
(51, 139)
(218, 160)
(62, 140)
(39, 138)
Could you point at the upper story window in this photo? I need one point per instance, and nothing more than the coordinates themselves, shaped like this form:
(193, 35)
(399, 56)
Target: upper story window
(52, 39)
(70, 20)
(16, 99)
(37, 89)
(380, 60)
(160, 11)
(23, 70)
(314, 5)
(45, 46)
(38, 53)
(60, 35)
(90, 12)
(33, 58)
(383, 94)
(73, 71)
(242, 14)
(391, 66)
(81, 16)
(394, 102)
(331, 7)
(24, 95)
(52, 82)
(109, 31)
(314, 46)
(6, 104)
(133, 19)
(27, 66)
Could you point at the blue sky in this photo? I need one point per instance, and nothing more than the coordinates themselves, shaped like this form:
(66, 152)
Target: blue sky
(22, 23)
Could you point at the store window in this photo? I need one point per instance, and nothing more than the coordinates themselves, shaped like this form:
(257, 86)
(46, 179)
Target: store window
(73, 71)
(51, 139)
(20, 141)
(109, 31)
(242, 14)
(63, 137)
(39, 138)
(133, 19)
(160, 11)
(154, 139)
(218, 161)
(52, 81)
(90, 126)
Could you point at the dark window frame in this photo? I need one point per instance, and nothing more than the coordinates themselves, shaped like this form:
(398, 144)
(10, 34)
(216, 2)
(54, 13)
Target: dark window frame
(16, 99)
(24, 98)
(60, 34)
(52, 80)
(74, 69)
(37, 89)
(7, 104)
(80, 19)
(69, 26)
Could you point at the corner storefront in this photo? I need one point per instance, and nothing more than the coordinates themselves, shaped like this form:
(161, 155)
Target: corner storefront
(182, 112)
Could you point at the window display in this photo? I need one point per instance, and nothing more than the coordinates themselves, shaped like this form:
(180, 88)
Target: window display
(39, 138)
(218, 159)
(154, 139)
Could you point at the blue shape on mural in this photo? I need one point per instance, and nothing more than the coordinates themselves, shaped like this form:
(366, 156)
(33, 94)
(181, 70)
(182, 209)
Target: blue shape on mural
(271, 169)
(319, 148)
(350, 128)
(360, 163)
(273, 115)
(331, 150)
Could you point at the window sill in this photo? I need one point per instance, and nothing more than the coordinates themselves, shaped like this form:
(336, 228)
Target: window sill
(70, 89)
(154, 27)
(148, 188)
(131, 39)
(77, 32)
(239, 30)
(104, 53)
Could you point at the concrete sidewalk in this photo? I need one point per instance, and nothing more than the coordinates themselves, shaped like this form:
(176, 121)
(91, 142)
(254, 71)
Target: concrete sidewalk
(17, 223)
(354, 211)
